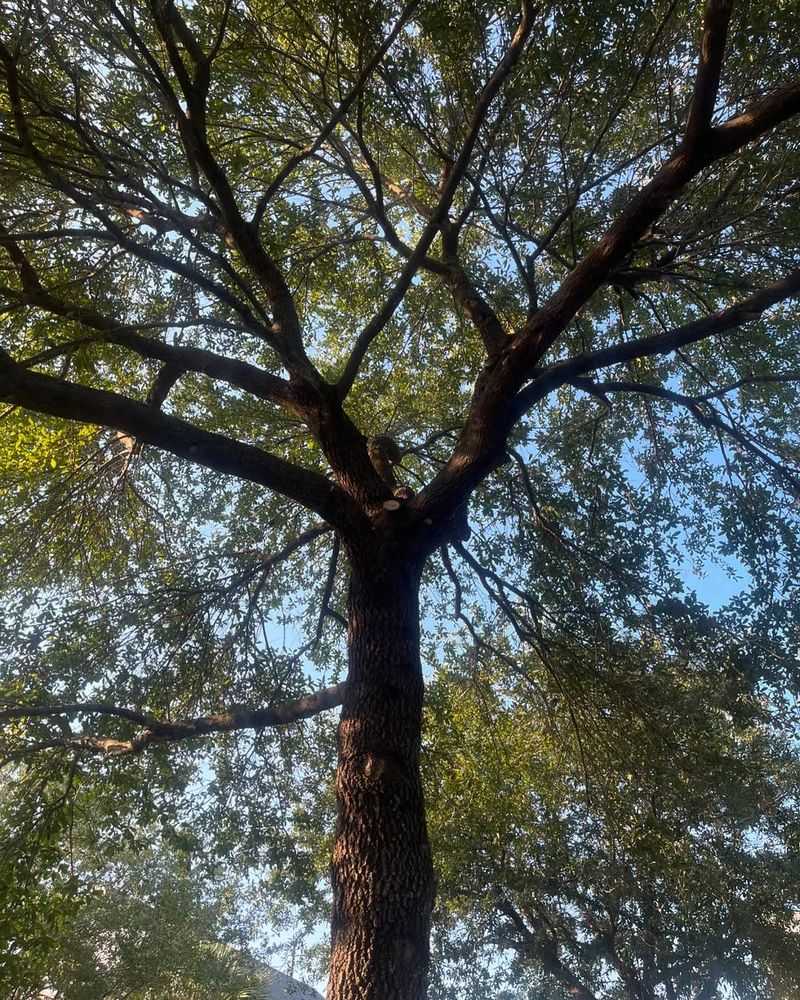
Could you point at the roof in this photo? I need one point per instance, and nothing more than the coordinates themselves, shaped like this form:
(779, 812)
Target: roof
(278, 986)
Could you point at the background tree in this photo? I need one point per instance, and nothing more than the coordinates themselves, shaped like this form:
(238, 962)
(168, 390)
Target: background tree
(289, 301)
(664, 866)
(96, 905)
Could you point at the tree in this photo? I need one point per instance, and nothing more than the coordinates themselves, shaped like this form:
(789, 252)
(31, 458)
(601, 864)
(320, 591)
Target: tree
(120, 911)
(144, 931)
(665, 866)
(353, 288)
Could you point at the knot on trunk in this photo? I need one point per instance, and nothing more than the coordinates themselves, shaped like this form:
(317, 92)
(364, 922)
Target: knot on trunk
(374, 771)
(384, 455)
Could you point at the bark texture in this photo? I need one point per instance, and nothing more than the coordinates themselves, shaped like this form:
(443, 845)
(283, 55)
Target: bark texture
(383, 882)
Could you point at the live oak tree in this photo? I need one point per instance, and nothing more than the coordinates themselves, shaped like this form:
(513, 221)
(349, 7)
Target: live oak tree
(403, 294)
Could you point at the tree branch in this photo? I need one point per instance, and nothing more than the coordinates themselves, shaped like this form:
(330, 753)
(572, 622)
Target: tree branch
(343, 445)
(439, 214)
(45, 394)
(452, 272)
(192, 123)
(708, 417)
(544, 328)
(337, 116)
(156, 731)
(497, 402)
(544, 947)
(468, 298)
(712, 50)
(238, 373)
(735, 316)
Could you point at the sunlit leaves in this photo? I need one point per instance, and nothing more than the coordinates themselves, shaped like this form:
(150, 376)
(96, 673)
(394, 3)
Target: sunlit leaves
(581, 677)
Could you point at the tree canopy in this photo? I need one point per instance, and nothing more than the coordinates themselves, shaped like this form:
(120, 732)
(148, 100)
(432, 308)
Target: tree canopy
(663, 867)
(334, 335)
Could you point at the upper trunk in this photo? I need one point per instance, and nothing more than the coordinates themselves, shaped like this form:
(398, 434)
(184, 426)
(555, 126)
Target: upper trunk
(382, 874)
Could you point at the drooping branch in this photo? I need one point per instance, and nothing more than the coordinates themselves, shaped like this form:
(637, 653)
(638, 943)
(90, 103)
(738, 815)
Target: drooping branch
(777, 377)
(272, 559)
(74, 708)
(705, 415)
(496, 587)
(155, 731)
(262, 564)
(724, 321)
(325, 609)
(556, 535)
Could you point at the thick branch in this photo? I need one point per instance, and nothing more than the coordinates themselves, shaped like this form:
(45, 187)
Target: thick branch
(237, 373)
(712, 49)
(497, 402)
(643, 210)
(45, 394)
(156, 731)
(482, 443)
(343, 445)
(724, 321)
(341, 441)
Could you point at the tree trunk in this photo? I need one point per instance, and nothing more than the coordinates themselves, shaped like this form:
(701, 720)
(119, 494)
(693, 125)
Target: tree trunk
(382, 874)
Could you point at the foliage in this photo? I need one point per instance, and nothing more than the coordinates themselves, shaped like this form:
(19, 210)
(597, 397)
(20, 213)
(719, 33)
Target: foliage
(552, 254)
(662, 861)
(115, 909)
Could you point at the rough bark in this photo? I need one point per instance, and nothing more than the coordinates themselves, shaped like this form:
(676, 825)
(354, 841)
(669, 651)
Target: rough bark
(383, 884)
